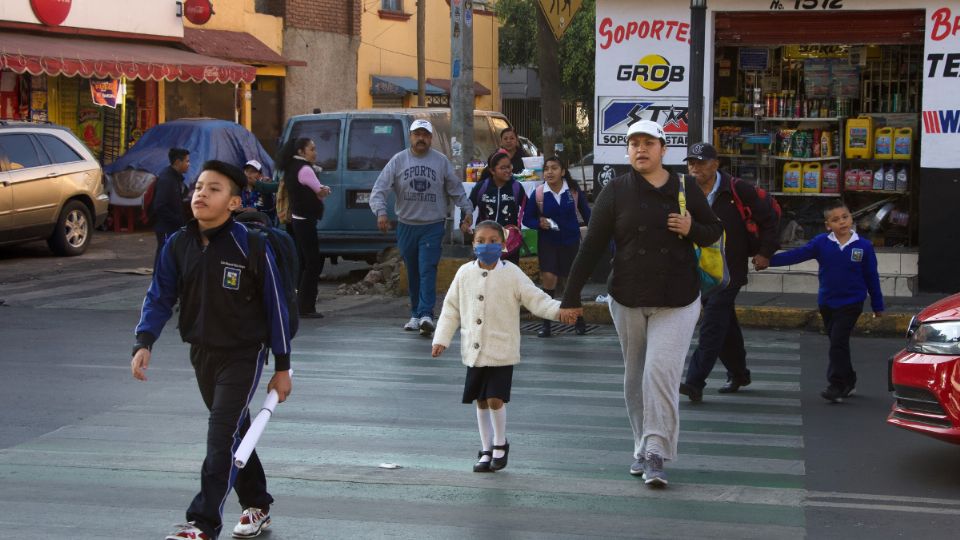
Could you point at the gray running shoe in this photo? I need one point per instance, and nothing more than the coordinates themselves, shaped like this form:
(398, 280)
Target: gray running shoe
(653, 474)
(412, 325)
(637, 468)
(427, 326)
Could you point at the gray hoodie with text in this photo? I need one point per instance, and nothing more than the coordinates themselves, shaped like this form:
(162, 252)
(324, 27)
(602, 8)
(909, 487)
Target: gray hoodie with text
(424, 187)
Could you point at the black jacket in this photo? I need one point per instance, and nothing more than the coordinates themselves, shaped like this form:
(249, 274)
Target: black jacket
(499, 204)
(303, 201)
(226, 300)
(737, 246)
(652, 267)
(517, 159)
(167, 205)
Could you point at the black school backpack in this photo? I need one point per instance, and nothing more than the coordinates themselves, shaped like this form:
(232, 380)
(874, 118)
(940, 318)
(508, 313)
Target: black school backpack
(284, 253)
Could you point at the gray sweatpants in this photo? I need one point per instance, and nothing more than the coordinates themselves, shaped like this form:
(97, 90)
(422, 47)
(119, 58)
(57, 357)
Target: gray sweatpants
(654, 341)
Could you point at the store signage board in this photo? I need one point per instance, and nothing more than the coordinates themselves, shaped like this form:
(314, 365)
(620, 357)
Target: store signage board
(642, 58)
(940, 121)
(559, 13)
(198, 11)
(147, 17)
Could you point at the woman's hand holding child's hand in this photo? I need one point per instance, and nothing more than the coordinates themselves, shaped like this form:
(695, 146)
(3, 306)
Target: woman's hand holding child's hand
(438, 350)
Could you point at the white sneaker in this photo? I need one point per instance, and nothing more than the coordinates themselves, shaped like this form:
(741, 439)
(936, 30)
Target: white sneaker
(427, 326)
(252, 522)
(412, 325)
(187, 531)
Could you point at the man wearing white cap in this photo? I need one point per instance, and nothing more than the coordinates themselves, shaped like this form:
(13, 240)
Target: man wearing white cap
(654, 287)
(424, 183)
(259, 194)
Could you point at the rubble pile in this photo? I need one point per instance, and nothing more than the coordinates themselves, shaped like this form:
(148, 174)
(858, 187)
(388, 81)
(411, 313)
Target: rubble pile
(383, 278)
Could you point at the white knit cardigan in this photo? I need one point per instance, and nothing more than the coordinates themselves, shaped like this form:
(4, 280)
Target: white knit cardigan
(485, 304)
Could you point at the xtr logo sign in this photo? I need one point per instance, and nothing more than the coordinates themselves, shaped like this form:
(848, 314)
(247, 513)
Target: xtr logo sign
(941, 121)
(618, 114)
(653, 72)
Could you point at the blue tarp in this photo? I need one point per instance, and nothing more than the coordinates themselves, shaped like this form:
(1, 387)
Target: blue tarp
(204, 138)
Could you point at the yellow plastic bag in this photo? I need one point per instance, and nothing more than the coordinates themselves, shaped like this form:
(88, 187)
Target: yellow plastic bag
(712, 259)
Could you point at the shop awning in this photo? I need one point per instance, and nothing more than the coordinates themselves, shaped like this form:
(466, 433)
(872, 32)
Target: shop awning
(874, 27)
(109, 59)
(382, 85)
(478, 89)
(235, 46)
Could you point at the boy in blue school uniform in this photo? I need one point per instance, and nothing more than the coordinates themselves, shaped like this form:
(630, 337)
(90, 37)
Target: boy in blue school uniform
(848, 271)
(232, 312)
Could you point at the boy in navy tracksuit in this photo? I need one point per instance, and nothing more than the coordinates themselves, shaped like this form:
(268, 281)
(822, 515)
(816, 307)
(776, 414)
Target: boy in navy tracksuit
(848, 270)
(231, 309)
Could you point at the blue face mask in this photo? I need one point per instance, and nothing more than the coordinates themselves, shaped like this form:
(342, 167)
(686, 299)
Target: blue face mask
(488, 253)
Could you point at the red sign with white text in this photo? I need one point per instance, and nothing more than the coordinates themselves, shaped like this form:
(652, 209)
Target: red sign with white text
(51, 12)
(198, 11)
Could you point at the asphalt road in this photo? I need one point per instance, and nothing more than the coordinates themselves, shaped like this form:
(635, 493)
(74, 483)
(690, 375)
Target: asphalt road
(82, 443)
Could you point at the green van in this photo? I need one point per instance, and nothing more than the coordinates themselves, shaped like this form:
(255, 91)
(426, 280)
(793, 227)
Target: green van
(353, 147)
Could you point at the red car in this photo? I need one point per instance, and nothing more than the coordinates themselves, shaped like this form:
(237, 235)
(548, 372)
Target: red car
(925, 376)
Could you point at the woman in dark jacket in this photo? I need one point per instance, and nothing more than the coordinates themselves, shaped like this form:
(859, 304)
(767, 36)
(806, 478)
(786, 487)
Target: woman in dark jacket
(654, 287)
(557, 209)
(305, 194)
(510, 143)
(499, 197)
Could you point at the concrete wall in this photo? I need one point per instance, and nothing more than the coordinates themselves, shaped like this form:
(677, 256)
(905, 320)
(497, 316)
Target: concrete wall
(329, 80)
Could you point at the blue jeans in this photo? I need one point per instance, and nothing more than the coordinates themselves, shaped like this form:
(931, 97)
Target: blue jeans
(420, 248)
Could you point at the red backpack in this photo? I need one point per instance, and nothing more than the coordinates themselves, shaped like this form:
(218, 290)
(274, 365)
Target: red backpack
(746, 213)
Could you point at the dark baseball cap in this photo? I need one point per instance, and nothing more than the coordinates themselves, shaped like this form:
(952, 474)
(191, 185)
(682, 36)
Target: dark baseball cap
(701, 151)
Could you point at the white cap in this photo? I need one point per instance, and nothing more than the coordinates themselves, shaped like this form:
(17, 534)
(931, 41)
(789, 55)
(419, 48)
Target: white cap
(422, 124)
(646, 127)
(255, 164)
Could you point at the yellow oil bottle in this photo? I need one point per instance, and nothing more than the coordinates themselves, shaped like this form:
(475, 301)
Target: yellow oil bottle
(858, 141)
(792, 176)
(902, 143)
(812, 178)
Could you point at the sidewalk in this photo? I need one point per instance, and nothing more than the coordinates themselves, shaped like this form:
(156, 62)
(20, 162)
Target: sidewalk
(784, 311)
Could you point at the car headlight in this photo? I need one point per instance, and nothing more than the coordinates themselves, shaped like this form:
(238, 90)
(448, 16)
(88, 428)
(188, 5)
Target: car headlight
(935, 338)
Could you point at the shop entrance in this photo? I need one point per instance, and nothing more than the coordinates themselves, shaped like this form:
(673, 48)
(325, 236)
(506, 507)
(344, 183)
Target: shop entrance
(815, 107)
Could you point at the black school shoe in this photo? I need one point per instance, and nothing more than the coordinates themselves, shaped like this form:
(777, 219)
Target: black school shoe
(695, 394)
(734, 383)
(499, 463)
(483, 466)
(833, 394)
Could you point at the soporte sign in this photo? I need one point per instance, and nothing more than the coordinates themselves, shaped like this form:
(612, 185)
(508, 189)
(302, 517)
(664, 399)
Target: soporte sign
(51, 12)
(616, 114)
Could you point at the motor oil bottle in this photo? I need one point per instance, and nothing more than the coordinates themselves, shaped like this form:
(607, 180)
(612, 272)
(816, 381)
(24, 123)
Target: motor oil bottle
(831, 178)
(792, 176)
(878, 179)
(859, 138)
(902, 143)
(902, 179)
(889, 178)
(812, 178)
(851, 180)
(883, 143)
(865, 182)
(826, 146)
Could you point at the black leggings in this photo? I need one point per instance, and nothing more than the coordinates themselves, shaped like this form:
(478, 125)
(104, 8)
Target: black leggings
(311, 263)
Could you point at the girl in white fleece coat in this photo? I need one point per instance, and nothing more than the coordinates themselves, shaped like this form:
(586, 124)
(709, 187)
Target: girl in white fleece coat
(484, 300)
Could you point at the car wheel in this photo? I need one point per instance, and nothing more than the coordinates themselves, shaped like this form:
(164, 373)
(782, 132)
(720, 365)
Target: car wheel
(74, 230)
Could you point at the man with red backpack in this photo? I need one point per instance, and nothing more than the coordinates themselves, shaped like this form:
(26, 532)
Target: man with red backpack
(750, 218)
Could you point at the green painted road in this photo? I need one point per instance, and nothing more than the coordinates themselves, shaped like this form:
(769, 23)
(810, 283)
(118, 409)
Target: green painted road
(366, 393)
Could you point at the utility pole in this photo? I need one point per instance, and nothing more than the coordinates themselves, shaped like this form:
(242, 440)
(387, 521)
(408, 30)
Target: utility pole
(698, 18)
(461, 83)
(421, 61)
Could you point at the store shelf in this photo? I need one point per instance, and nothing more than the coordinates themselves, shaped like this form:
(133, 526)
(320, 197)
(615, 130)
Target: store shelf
(805, 159)
(792, 194)
(733, 119)
(875, 192)
(882, 160)
(739, 156)
(804, 119)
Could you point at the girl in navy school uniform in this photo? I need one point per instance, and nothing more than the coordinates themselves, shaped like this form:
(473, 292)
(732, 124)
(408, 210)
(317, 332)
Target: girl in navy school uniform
(557, 208)
(499, 197)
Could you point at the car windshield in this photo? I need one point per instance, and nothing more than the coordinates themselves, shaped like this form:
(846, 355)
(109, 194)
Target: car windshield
(372, 142)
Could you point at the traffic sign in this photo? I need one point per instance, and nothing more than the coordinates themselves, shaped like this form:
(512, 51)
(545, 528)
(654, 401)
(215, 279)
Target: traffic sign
(559, 13)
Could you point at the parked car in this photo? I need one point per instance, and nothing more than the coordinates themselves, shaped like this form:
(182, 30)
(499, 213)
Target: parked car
(582, 172)
(206, 138)
(925, 375)
(51, 187)
(528, 146)
(353, 147)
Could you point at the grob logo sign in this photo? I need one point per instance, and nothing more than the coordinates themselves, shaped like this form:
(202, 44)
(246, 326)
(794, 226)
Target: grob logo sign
(653, 72)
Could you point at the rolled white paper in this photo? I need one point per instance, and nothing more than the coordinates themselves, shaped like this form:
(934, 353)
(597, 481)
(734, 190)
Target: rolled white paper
(259, 423)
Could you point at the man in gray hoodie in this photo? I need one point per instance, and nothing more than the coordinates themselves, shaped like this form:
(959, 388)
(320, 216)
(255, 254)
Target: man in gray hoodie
(423, 181)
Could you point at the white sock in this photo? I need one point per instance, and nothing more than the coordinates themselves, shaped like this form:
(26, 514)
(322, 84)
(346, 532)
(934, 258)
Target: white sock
(485, 423)
(499, 429)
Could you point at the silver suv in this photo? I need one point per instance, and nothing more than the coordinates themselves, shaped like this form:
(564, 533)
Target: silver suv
(51, 187)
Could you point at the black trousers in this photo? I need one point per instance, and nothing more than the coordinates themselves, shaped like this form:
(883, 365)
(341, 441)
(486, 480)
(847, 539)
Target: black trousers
(720, 337)
(311, 263)
(839, 323)
(227, 381)
(161, 239)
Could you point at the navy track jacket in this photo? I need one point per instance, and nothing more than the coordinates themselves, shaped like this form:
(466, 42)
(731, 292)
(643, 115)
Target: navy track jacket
(226, 300)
